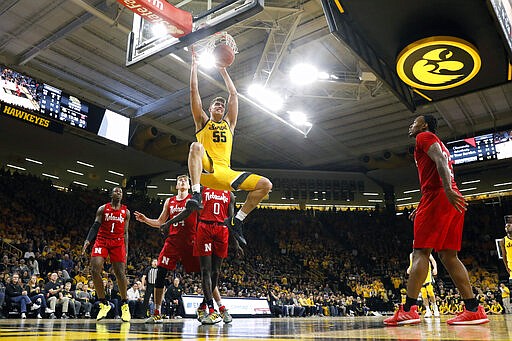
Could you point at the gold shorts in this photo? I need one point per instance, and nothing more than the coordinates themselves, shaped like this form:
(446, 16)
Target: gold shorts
(427, 290)
(221, 177)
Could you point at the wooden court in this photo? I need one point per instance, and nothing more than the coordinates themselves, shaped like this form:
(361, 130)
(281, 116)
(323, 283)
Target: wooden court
(322, 328)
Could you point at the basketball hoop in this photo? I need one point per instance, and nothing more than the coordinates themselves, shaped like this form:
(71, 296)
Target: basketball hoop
(208, 46)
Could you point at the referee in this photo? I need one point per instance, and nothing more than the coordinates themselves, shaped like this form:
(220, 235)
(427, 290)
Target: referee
(148, 282)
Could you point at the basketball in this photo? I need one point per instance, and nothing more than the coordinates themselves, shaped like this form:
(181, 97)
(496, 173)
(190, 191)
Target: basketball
(224, 55)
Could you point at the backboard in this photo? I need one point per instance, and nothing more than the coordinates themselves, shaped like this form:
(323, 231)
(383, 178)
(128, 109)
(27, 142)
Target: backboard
(149, 40)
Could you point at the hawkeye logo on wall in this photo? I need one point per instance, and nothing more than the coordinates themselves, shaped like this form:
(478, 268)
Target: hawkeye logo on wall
(438, 63)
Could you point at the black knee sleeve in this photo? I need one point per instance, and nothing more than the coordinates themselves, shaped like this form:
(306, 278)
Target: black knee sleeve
(161, 273)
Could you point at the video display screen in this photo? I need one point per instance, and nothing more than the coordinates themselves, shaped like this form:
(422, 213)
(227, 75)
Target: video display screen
(495, 146)
(25, 92)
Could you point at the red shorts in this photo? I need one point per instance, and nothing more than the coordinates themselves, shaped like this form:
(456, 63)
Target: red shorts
(177, 250)
(211, 238)
(114, 248)
(437, 224)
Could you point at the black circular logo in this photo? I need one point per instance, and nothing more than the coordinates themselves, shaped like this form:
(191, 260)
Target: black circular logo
(438, 63)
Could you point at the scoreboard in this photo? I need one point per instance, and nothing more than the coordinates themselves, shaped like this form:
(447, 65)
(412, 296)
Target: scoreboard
(496, 146)
(54, 103)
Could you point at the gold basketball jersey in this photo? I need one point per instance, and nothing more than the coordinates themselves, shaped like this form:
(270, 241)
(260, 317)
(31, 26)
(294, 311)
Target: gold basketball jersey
(217, 141)
(508, 247)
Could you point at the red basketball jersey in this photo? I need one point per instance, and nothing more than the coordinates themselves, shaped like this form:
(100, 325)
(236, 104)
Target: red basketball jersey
(112, 226)
(185, 227)
(216, 205)
(427, 170)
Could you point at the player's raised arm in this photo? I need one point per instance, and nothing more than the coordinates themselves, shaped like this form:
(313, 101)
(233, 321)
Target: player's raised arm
(93, 231)
(232, 107)
(196, 104)
(156, 223)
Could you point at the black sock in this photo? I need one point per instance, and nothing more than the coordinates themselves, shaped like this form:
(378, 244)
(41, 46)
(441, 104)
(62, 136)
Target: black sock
(210, 304)
(409, 302)
(471, 304)
(125, 301)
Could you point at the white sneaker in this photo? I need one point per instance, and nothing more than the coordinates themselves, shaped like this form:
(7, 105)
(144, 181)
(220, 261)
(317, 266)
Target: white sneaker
(428, 313)
(23, 316)
(49, 311)
(39, 316)
(88, 315)
(35, 306)
(436, 313)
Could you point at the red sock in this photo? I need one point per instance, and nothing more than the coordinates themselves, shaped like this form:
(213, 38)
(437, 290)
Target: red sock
(211, 310)
(156, 312)
(222, 308)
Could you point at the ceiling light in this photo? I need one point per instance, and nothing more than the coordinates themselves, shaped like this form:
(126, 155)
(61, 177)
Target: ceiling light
(503, 184)
(164, 194)
(206, 59)
(297, 117)
(402, 199)
(370, 194)
(151, 186)
(267, 97)
(51, 176)
(399, 213)
(323, 75)
(16, 167)
(115, 173)
(59, 187)
(411, 191)
(467, 189)
(170, 179)
(80, 183)
(84, 164)
(158, 30)
(469, 182)
(74, 172)
(374, 200)
(112, 182)
(302, 74)
(33, 161)
(490, 192)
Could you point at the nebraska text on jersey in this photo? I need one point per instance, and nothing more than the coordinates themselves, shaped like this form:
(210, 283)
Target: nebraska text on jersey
(111, 216)
(211, 195)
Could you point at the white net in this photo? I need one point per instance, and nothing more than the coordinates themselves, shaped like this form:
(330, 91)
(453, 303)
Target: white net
(219, 38)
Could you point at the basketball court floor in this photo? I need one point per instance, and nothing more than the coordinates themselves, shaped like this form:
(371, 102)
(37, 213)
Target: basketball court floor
(321, 328)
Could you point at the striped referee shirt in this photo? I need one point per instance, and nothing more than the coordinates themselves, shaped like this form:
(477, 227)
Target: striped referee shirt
(151, 275)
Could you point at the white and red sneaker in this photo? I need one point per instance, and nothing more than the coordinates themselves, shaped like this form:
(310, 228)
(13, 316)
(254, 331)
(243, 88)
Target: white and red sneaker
(470, 317)
(402, 317)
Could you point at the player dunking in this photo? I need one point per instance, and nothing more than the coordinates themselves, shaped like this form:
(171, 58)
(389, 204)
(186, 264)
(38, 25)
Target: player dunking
(212, 247)
(179, 243)
(209, 159)
(110, 229)
(438, 222)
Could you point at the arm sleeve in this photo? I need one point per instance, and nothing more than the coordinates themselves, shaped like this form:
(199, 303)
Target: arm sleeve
(93, 231)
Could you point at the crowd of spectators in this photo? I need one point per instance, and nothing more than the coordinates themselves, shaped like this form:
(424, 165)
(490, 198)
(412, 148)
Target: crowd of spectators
(305, 262)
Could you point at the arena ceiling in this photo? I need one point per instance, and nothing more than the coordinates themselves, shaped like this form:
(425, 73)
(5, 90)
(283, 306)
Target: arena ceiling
(80, 46)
